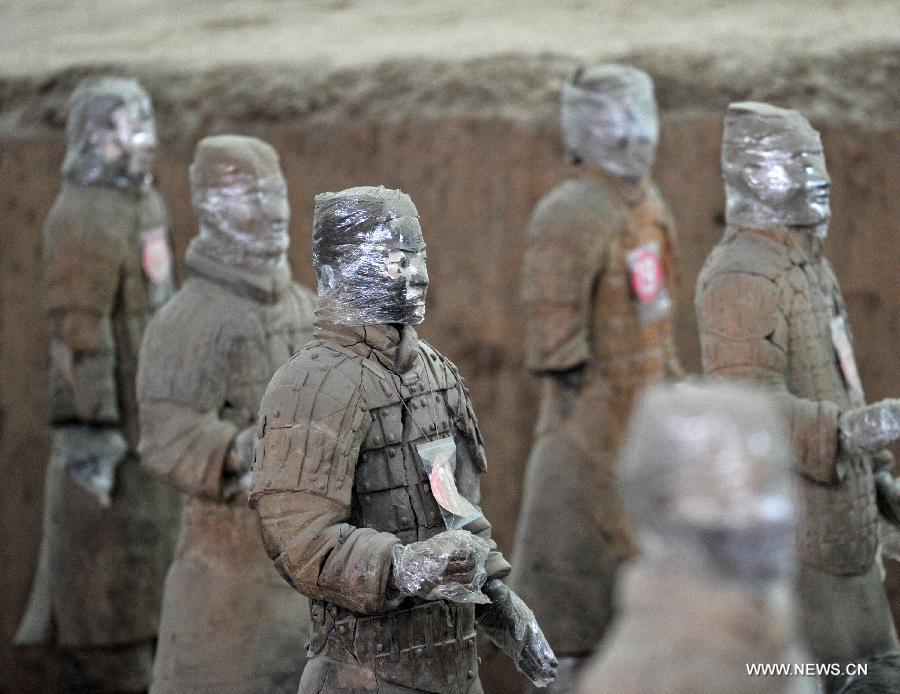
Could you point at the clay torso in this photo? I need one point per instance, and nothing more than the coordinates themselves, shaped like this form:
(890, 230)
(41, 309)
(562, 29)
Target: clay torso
(382, 396)
(769, 308)
(839, 530)
(107, 252)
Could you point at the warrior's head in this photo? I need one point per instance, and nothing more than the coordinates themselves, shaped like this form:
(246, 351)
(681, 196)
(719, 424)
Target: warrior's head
(609, 120)
(774, 170)
(706, 479)
(369, 256)
(111, 134)
(240, 198)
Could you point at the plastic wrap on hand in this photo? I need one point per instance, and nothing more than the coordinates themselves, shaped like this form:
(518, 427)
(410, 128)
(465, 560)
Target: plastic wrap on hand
(887, 497)
(870, 429)
(243, 446)
(890, 540)
(90, 456)
(705, 476)
(509, 623)
(369, 256)
(240, 199)
(774, 169)
(609, 119)
(419, 566)
(111, 134)
(439, 459)
(241, 452)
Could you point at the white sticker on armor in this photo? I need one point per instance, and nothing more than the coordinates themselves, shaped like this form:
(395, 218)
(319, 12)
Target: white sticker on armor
(840, 338)
(648, 282)
(439, 458)
(156, 256)
(646, 272)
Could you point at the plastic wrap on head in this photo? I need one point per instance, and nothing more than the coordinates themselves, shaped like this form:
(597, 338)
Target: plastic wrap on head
(240, 198)
(422, 569)
(870, 429)
(705, 474)
(111, 134)
(369, 256)
(609, 119)
(774, 169)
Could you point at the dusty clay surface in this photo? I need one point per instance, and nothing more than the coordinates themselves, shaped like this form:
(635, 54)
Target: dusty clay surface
(353, 33)
(457, 104)
(210, 63)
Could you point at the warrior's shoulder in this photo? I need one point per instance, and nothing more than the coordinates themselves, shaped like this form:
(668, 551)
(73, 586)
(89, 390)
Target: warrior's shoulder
(444, 371)
(574, 209)
(196, 310)
(747, 253)
(659, 204)
(84, 221)
(156, 203)
(320, 375)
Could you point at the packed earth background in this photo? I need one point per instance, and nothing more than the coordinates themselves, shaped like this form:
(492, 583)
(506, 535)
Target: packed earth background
(456, 103)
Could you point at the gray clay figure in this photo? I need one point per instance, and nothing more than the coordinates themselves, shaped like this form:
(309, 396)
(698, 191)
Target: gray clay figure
(705, 475)
(769, 308)
(366, 478)
(598, 285)
(229, 623)
(109, 528)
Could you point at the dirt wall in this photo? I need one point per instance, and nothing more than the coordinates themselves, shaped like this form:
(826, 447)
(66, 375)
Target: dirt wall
(475, 179)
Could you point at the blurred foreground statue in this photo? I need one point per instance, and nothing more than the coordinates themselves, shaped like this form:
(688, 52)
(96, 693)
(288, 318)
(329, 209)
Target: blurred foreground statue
(598, 286)
(705, 474)
(108, 526)
(769, 308)
(366, 478)
(880, 675)
(230, 625)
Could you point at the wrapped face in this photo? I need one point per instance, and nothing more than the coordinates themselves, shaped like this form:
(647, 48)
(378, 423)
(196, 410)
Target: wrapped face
(774, 169)
(705, 474)
(111, 134)
(369, 255)
(609, 120)
(240, 198)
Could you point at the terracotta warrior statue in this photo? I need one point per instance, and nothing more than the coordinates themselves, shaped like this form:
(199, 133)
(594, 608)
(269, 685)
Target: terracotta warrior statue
(769, 308)
(598, 286)
(705, 474)
(366, 476)
(229, 623)
(108, 526)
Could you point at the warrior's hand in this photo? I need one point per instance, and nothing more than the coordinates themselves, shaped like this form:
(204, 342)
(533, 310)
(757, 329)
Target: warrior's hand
(887, 494)
(448, 566)
(240, 453)
(510, 624)
(867, 430)
(90, 455)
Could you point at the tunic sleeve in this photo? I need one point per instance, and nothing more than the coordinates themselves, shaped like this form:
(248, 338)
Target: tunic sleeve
(311, 428)
(562, 258)
(181, 393)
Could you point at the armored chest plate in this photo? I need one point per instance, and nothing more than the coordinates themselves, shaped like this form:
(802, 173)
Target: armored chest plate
(391, 488)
